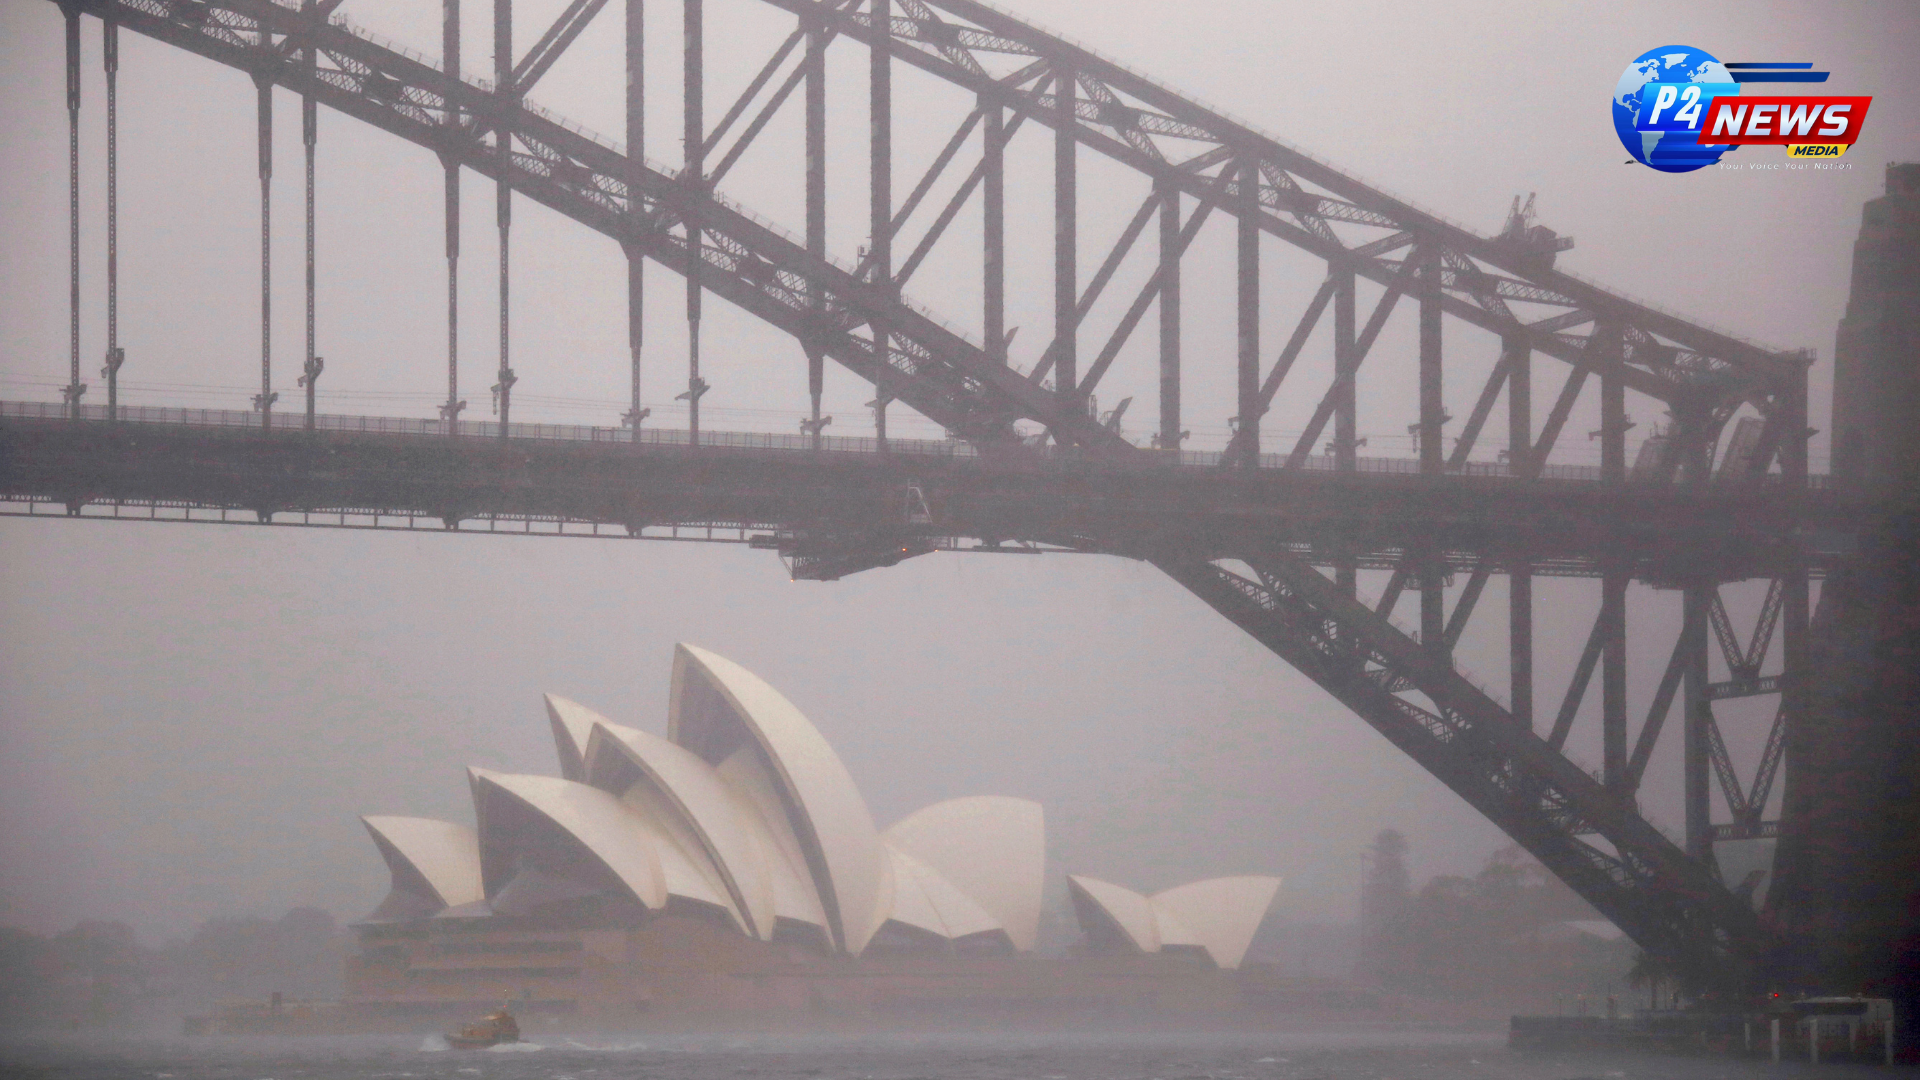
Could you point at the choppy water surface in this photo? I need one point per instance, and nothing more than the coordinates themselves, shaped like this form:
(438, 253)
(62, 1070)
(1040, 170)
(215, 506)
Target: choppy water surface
(1374, 1054)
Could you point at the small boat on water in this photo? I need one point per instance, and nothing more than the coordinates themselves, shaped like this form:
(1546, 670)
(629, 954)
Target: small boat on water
(495, 1028)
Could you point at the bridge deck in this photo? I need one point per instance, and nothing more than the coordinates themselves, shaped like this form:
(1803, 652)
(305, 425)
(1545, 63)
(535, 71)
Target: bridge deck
(489, 429)
(385, 472)
(769, 441)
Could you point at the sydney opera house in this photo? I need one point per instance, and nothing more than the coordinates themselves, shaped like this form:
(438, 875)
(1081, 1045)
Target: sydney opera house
(733, 868)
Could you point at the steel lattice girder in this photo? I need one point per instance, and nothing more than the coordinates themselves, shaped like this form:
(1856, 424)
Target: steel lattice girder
(1157, 132)
(934, 369)
(1653, 891)
(765, 272)
(1666, 901)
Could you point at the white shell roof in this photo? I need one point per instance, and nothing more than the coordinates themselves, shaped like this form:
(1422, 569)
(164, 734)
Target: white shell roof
(1131, 912)
(702, 800)
(1171, 929)
(794, 896)
(927, 901)
(446, 856)
(852, 867)
(572, 726)
(684, 865)
(1220, 914)
(747, 808)
(992, 848)
(607, 828)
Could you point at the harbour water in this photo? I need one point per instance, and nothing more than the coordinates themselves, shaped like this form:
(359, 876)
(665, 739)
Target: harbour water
(1371, 1053)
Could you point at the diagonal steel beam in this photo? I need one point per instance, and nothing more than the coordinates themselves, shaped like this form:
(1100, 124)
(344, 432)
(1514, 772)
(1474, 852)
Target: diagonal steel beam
(1390, 596)
(960, 197)
(1100, 278)
(1764, 626)
(1152, 289)
(1481, 409)
(753, 89)
(1469, 598)
(767, 111)
(1730, 786)
(1566, 320)
(1543, 444)
(1769, 766)
(1284, 362)
(1724, 633)
(1577, 686)
(939, 166)
(1657, 715)
(754, 86)
(952, 209)
(1361, 346)
(553, 43)
(758, 123)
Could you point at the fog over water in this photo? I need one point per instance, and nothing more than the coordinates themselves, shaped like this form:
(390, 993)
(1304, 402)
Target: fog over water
(1357, 1054)
(192, 718)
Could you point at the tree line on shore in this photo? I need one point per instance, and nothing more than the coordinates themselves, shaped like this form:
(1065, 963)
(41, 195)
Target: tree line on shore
(1511, 933)
(99, 976)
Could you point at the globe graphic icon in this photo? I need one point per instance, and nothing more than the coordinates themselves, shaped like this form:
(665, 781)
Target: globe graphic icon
(1669, 151)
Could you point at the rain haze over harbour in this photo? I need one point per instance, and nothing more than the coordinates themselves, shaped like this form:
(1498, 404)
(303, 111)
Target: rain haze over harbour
(1060, 1057)
(871, 706)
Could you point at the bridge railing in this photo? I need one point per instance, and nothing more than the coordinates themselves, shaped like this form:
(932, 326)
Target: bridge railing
(735, 440)
(407, 425)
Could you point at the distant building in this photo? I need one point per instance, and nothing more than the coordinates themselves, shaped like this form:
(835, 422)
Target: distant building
(734, 866)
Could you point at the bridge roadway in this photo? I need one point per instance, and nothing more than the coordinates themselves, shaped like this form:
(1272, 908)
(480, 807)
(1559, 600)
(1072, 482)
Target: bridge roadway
(847, 505)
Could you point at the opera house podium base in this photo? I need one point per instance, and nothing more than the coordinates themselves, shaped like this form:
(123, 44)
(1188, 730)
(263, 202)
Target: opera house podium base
(686, 973)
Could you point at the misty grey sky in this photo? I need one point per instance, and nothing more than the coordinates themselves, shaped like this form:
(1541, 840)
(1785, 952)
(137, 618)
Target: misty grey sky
(190, 718)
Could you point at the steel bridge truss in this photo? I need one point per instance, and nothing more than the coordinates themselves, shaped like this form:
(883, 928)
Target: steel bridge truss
(1299, 599)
